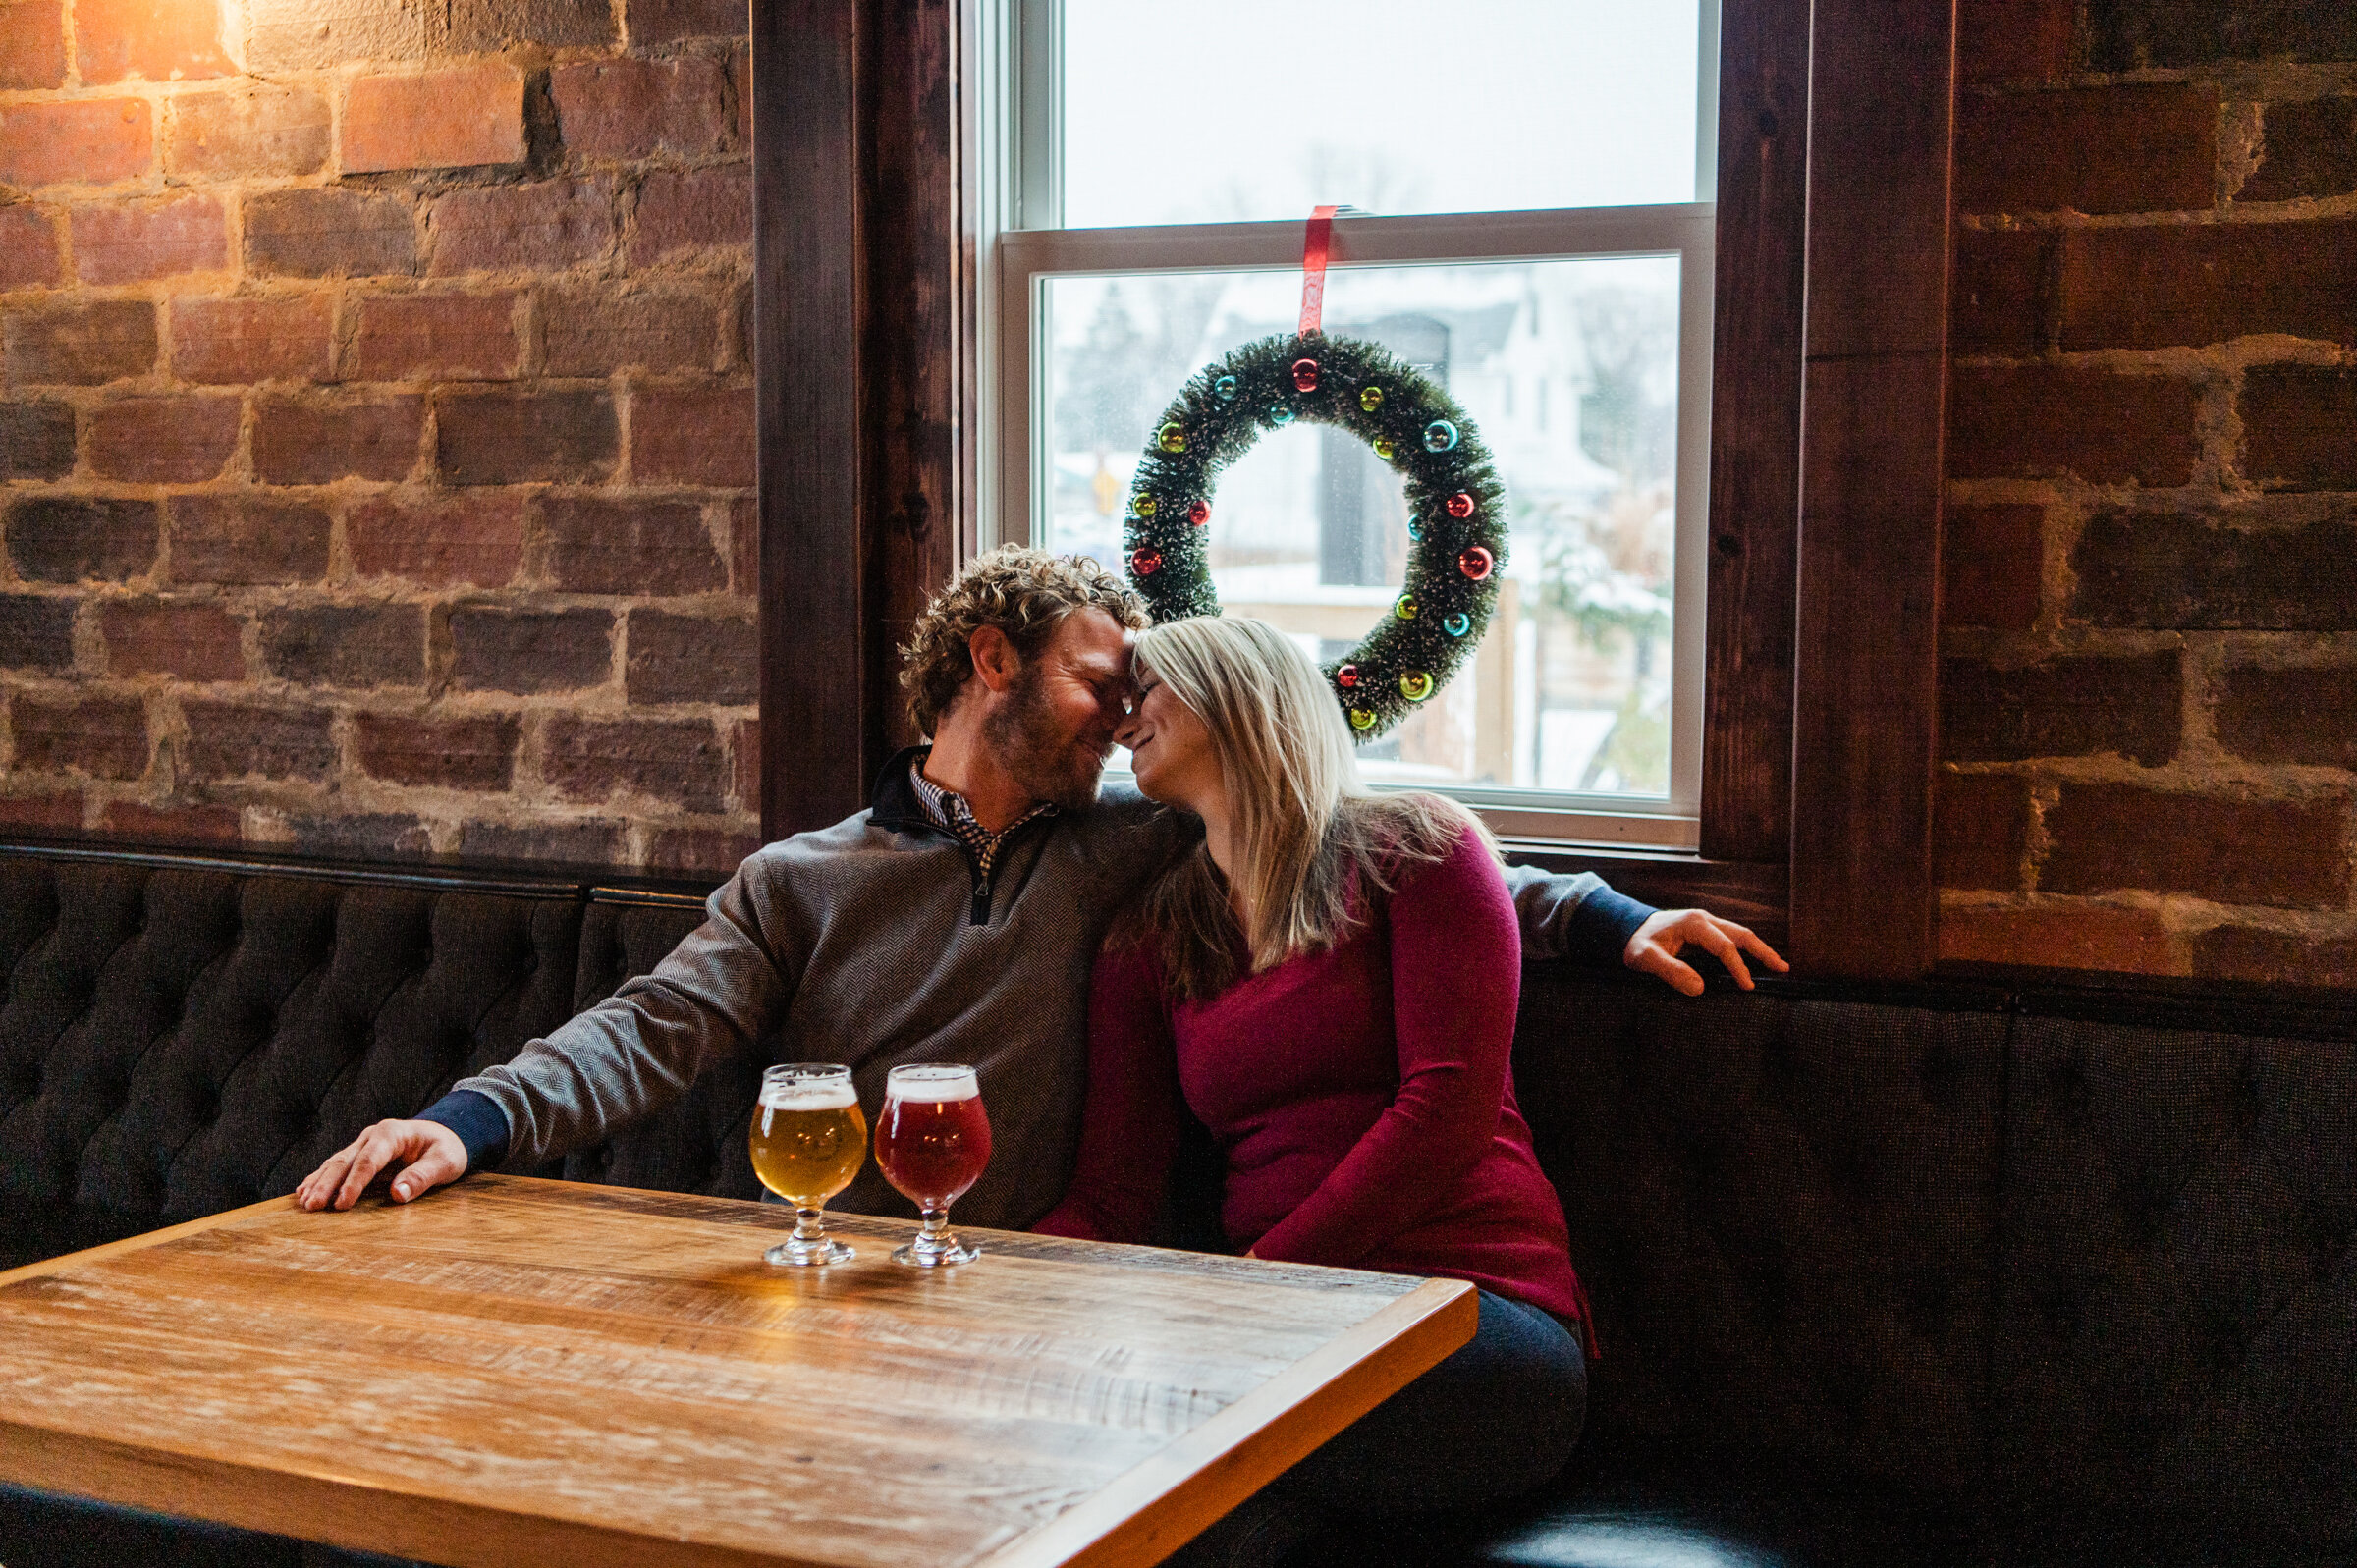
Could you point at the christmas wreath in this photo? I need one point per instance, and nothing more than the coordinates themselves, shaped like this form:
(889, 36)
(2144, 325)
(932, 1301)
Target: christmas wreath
(1455, 503)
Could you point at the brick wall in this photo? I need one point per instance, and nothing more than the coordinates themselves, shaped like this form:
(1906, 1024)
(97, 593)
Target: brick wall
(2149, 690)
(376, 434)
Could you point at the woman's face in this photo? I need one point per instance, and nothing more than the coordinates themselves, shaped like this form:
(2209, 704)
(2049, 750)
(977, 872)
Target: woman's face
(1171, 748)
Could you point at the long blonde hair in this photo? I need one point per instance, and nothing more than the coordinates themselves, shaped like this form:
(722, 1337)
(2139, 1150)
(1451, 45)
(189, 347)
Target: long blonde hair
(1312, 843)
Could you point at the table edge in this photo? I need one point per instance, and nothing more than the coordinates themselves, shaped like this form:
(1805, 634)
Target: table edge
(1207, 1471)
(144, 1239)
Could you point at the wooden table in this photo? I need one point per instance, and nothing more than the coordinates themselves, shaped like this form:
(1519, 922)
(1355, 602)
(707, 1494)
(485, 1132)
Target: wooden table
(513, 1372)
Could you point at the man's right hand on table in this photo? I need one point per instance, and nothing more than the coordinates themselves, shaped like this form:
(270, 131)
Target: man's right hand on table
(426, 1153)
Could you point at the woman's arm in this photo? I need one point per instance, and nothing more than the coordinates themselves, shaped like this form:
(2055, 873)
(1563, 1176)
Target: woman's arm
(1129, 1120)
(1457, 969)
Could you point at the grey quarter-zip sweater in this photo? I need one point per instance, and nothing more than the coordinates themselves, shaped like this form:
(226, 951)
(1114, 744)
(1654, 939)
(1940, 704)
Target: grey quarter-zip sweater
(878, 942)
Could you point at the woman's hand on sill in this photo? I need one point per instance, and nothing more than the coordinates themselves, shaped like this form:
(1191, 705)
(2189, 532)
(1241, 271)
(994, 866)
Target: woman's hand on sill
(1654, 946)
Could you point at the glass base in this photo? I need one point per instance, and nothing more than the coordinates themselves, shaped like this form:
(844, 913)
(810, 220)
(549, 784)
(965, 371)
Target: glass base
(797, 1254)
(934, 1252)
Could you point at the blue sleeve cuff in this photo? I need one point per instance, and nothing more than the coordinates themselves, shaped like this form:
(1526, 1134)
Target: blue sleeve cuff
(1600, 928)
(477, 1121)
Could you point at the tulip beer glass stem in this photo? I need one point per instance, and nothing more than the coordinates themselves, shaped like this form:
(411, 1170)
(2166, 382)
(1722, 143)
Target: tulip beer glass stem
(932, 1142)
(809, 1141)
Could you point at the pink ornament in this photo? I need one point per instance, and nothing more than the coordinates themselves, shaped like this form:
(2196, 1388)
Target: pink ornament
(1475, 562)
(1460, 505)
(1145, 563)
(1347, 678)
(1199, 513)
(1305, 375)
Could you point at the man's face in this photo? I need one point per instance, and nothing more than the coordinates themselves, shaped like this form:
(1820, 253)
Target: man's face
(1052, 729)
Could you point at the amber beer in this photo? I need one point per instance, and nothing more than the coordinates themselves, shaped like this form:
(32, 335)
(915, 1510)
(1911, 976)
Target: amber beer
(933, 1143)
(809, 1141)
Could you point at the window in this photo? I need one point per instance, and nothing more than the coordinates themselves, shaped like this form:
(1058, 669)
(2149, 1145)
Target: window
(1533, 225)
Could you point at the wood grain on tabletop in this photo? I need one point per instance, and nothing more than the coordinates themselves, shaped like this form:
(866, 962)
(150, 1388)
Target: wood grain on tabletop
(515, 1370)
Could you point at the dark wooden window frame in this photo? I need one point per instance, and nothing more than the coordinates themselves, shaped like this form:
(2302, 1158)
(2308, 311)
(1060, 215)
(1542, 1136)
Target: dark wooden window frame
(1827, 407)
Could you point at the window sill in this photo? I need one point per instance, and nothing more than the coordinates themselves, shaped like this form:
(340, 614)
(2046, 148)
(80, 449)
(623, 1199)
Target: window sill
(1754, 894)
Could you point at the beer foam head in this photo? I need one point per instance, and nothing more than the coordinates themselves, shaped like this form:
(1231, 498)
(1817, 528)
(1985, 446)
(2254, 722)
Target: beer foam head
(934, 1082)
(783, 1091)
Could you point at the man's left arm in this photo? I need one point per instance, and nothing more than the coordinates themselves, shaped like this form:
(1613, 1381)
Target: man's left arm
(1578, 916)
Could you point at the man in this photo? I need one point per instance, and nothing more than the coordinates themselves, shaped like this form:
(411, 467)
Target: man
(956, 919)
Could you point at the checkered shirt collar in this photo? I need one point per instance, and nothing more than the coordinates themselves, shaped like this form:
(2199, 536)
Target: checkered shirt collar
(949, 812)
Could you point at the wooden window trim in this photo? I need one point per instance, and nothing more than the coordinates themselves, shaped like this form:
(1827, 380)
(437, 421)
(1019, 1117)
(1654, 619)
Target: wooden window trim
(1835, 147)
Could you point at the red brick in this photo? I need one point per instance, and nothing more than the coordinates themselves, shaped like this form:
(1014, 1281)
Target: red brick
(691, 659)
(259, 129)
(2014, 40)
(653, 21)
(1980, 831)
(744, 547)
(537, 228)
(717, 850)
(89, 141)
(2306, 714)
(81, 538)
(326, 234)
(494, 438)
(2299, 427)
(163, 440)
(172, 823)
(302, 442)
(248, 539)
(1992, 562)
(194, 641)
(2066, 705)
(678, 761)
(450, 119)
(150, 240)
(644, 548)
(238, 740)
(2276, 957)
(530, 651)
(36, 439)
(345, 644)
(598, 331)
(635, 108)
(2290, 853)
(2092, 149)
(443, 336)
(486, 27)
(694, 210)
(473, 753)
(286, 35)
(2197, 284)
(2068, 937)
(2033, 421)
(81, 344)
(47, 811)
(693, 436)
(32, 44)
(29, 255)
(2310, 150)
(244, 341)
(2186, 572)
(472, 537)
(745, 744)
(1998, 297)
(163, 40)
(37, 631)
(595, 842)
(105, 737)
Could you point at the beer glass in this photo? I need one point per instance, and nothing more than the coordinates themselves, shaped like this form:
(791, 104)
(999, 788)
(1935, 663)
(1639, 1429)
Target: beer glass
(932, 1142)
(810, 1141)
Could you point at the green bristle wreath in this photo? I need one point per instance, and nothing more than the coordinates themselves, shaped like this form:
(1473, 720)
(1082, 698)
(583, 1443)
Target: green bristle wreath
(1456, 504)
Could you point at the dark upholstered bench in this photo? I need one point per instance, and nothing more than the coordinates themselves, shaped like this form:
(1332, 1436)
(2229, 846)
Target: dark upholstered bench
(1949, 1273)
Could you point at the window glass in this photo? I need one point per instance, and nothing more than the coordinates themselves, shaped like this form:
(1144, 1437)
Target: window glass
(1225, 110)
(1570, 372)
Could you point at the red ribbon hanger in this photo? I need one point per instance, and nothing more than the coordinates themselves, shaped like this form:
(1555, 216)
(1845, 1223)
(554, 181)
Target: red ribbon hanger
(1314, 246)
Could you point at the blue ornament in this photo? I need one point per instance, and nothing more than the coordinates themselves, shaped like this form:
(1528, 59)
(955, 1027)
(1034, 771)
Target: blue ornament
(1415, 528)
(1224, 388)
(1280, 414)
(1457, 625)
(1440, 436)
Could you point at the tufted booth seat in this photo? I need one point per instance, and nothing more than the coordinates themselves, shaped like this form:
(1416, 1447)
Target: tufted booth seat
(1947, 1273)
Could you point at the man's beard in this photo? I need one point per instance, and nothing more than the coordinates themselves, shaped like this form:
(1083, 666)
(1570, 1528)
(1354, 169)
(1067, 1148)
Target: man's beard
(1050, 763)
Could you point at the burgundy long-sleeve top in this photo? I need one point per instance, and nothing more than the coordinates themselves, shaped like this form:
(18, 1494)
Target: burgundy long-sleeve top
(1362, 1096)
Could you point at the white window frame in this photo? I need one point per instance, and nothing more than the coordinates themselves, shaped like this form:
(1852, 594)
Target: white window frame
(1022, 245)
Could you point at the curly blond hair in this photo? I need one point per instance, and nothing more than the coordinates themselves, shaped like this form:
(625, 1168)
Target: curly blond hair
(1023, 592)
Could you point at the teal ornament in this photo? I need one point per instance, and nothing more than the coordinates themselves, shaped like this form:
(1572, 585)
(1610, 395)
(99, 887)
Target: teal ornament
(1224, 388)
(1440, 436)
(1457, 625)
(1280, 414)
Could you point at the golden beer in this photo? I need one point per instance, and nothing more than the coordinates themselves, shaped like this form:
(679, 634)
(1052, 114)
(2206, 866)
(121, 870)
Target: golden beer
(809, 1143)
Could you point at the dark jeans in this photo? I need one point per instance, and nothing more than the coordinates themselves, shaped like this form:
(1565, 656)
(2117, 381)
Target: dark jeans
(1497, 1419)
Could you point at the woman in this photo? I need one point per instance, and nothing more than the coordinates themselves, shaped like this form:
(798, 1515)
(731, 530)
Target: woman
(1328, 982)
